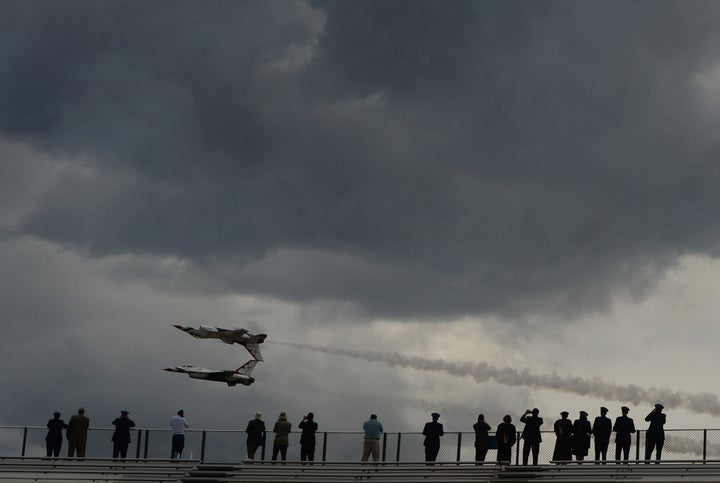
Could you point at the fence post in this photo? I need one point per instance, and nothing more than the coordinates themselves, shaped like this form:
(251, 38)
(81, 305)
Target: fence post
(138, 443)
(24, 441)
(147, 443)
(202, 447)
(637, 445)
(397, 454)
(459, 445)
(324, 454)
(704, 445)
(384, 445)
(518, 436)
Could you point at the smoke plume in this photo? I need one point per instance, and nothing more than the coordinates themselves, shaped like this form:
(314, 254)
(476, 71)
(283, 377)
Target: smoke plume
(706, 403)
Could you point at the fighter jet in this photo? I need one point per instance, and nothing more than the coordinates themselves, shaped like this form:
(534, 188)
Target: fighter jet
(240, 376)
(229, 336)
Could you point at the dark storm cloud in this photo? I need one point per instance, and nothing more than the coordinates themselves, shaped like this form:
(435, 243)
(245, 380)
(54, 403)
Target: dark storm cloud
(417, 158)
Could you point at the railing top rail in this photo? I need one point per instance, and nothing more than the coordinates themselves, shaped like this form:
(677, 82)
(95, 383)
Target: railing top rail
(346, 432)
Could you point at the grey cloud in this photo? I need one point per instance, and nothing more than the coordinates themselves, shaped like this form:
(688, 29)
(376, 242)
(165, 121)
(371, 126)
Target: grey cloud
(412, 158)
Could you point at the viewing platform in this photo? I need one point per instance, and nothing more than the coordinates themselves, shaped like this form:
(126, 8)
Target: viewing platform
(65, 470)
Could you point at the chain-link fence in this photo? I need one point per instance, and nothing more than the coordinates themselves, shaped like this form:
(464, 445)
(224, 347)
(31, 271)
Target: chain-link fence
(228, 446)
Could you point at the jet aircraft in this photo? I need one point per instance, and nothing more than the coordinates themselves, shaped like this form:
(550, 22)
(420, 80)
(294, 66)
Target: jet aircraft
(239, 376)
(229, 336)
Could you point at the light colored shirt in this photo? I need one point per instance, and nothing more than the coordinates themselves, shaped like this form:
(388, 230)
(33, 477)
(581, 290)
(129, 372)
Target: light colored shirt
(373, 428)
(178, 424)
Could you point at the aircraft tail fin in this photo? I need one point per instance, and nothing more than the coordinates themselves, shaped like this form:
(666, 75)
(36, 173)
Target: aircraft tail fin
(247, 368)
(254, 350)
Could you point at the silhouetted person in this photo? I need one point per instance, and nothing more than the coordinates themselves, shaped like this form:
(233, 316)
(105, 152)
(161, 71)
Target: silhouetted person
(581, 432)
(307, 437)
(563, 431)
(655, 434)
(624, 427)
(178, 423)
(255, 435)
(53, 440)
(77, 433)
(601, 429)
(121, 436)
(482, 438)
(432, 432)
(371, 441)
(282, 439)
(531, 434)
(505, 435)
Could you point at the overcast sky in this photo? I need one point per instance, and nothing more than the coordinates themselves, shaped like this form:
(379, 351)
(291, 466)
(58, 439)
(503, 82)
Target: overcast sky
(533, 185)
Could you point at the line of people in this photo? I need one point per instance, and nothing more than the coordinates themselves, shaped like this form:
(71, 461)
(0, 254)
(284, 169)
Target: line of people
(76, 431)
(572, 438)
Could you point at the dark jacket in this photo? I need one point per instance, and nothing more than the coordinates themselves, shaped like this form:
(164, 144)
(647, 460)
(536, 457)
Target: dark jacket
(655, 431)
(624, 427)
(282, 430)
(563, 432)
(581, 432)
(308, 428)
(122, 430)
(256, 432)
(601, 429)
(531, 431)
(506, 435)
(78, 427)
(55, 427)
(482, 439)
(432, 432)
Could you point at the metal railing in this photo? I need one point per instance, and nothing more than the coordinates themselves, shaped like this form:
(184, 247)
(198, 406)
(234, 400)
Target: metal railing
(227, 446)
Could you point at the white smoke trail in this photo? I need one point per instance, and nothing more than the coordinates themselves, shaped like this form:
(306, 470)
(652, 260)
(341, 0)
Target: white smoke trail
(706, 403)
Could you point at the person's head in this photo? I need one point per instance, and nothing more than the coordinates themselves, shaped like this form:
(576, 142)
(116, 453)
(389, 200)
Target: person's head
(564, 414)
(535, 412)
(124, 414)
(625, 409)
(603, 411)
(435, 416)
(481, 417)
(373, 416)
(181, 413)
(282, 415)
(583, 415)
(507, 419)
(56, 415)
(659, 407)
(258, 415)
(310, 416)
(81, 411)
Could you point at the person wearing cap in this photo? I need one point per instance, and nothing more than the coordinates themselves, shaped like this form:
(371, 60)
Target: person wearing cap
(581, 432)
(531, 435)
(371, 442)
(563, 430)
(482, 438)
(624, 427)
(601, 430)
(121, 436)
(53, 440)
(432, 432)
(282, 440)
(655, 434)
(307, 438)
(255, 435)
(178, 423)
(505, 435)
(77, 433)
